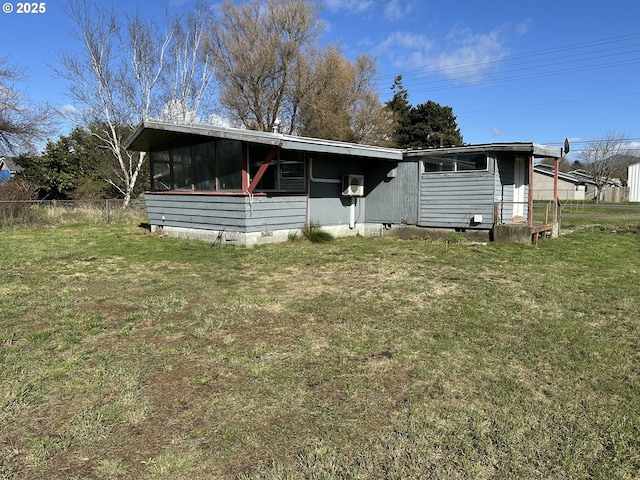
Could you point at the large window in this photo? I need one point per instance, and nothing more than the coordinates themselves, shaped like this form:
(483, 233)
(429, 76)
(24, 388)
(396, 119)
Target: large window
(208, 166)
(456, 163)
(285, 173)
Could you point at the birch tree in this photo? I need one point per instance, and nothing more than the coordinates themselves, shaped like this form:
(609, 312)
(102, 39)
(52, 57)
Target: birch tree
(188, 87)
(129, 70)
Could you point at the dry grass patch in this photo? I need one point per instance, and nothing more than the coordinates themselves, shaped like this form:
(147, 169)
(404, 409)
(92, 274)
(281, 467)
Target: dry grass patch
(125, 355)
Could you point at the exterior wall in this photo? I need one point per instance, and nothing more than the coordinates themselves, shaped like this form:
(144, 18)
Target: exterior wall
(450, 200)
(230, 213)
(543, 189)
(327, 206)
(634, 182)
(393, 199)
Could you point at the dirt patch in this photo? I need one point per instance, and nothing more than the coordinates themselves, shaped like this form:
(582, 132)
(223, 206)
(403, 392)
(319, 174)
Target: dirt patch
(635, 230)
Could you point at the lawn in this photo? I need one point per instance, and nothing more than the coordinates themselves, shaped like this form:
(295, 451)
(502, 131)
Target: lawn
(127, 355)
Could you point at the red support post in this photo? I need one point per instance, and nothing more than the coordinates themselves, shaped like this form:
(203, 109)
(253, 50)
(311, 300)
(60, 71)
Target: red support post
(530, 195)
(555, 191)
(263, 168)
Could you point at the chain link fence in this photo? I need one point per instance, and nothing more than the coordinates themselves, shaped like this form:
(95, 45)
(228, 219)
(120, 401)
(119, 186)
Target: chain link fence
(57, 212)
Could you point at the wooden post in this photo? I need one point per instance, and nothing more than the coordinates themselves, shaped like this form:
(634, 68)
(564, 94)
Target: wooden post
(530, 196)
(555, 191)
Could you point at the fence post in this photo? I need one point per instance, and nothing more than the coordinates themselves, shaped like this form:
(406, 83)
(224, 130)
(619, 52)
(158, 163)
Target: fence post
(106, 206)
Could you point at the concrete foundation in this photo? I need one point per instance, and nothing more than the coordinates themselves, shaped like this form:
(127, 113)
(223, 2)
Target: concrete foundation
(411, 231)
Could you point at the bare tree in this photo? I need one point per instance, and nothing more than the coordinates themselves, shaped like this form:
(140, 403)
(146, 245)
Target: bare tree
(604, 159)
(258, 48)
(188, 88)
(341, 102)
(133, 69)
(22, 124)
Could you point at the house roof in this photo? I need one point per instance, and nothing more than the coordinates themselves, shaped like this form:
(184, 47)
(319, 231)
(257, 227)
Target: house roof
(7, 163)
(527, 148)
(574, 177)
(154, 135)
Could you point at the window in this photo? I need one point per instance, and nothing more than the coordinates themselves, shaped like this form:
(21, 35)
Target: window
(204, 165)
(456, 163)
(160, 171)
(229, 163)
(208, 166)
(285, 173)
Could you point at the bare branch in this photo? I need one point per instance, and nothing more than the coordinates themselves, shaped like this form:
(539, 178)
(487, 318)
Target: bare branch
(22, 123)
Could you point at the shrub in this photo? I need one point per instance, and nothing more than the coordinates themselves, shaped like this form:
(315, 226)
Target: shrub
(314, 233)
(456, 237)
(14, 202)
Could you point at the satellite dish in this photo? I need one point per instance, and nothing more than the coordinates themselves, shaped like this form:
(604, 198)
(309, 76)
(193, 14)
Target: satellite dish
(567, 146)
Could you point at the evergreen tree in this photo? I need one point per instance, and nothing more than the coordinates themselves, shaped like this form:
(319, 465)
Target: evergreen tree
(426, 125)
(400, 108)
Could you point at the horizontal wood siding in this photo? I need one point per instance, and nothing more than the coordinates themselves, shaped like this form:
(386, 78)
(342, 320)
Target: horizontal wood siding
(276, 213)
(231, 213)
(450, 200)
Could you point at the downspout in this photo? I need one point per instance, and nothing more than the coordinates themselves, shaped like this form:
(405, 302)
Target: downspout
(352, 214)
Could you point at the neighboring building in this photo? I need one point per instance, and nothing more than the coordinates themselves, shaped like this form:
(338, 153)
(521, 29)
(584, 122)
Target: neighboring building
(633, 180)
(570, 186)
(576, 185)
(8, 168)
(248, 187)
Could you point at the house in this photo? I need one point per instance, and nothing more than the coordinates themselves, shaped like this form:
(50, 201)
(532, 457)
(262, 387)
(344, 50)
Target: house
(571, 186)
(633, 180)
(245, 187)
(8, 168)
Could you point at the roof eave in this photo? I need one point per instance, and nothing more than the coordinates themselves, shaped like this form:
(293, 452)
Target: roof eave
(151, 135)
(529, 148)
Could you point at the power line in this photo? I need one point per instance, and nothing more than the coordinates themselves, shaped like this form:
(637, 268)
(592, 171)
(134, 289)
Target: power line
(475, 65)
(538, 59)
(544, 104)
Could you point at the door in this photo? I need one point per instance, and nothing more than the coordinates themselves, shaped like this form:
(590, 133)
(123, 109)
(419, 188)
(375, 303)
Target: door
(518, 189)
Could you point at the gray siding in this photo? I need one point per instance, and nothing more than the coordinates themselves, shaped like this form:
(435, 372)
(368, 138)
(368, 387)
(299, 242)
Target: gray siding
(393, 199)
(327, 206)
(451, 199)
(232, 213)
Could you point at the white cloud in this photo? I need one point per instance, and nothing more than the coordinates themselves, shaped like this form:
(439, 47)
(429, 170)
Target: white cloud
(496, 132)
(69, 110)
(523, 27)
(353, 6)
(396, 10)
(464, 56)
(405, 42)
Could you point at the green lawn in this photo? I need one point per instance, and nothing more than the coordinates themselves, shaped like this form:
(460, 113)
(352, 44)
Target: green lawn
(126, 355)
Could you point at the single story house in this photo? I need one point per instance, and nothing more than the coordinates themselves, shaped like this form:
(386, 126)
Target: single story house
(571, 186)
(246, 187)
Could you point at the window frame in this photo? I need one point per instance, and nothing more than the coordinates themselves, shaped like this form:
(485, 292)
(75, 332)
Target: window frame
(453, 160)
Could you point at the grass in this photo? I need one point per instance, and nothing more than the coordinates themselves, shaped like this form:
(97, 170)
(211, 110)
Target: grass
(126, 355)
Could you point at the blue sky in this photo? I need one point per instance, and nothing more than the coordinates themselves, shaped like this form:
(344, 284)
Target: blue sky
(512, 71)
